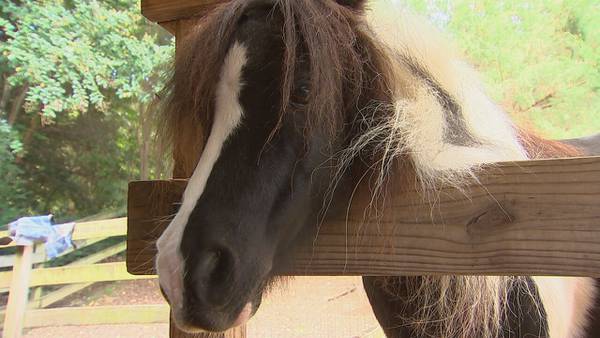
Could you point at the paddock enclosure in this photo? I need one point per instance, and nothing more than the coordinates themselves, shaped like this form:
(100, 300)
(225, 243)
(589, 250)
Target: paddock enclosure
(538, 217)
(30, 299)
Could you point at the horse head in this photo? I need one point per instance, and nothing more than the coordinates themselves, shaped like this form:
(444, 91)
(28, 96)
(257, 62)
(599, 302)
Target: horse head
(277, 104)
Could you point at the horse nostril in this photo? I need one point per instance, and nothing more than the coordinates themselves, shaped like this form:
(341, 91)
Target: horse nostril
(213, 273)
(207, 264)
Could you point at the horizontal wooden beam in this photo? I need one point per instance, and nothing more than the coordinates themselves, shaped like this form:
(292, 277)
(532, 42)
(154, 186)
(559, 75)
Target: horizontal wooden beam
(90, 230)
(170, 10)
(98, 315)
(63, 292)
(55, 296)
(525, 218)
(103, 228)
(9, 260)
(104, 272)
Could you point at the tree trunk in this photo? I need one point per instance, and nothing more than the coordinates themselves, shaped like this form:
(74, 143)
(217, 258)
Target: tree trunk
(5, 94)
(17, 105)
(33, 125)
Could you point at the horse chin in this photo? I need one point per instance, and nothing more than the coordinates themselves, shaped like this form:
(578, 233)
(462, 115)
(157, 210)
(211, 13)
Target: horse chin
(247, 312)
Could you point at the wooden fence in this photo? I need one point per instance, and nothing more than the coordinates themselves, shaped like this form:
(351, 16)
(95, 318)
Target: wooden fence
(23, 311)
(537, 217)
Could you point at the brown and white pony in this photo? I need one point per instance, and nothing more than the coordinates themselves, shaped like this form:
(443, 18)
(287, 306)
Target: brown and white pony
(302, 93)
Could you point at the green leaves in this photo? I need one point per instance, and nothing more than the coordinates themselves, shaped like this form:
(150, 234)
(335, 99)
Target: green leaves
(74, 76)
(77, 58)
(541, 59)
(12, 193)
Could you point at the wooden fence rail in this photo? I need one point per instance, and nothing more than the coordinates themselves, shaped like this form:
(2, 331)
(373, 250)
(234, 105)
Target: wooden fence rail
(98, 315)
(76, 275)
(526, 218)
(90, 230)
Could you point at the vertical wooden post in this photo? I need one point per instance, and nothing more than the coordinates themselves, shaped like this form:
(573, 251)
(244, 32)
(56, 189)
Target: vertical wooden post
(19, 292)
(182, 28)
(36, 301)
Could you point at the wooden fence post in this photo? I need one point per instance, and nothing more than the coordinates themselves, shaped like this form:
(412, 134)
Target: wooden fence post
(19, 292)
(36, 301)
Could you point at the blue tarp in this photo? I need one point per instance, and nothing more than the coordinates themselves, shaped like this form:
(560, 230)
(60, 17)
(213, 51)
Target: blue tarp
(41, 229)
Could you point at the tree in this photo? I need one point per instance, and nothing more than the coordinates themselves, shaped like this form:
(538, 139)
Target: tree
(541, 59)
(76, 77)
(13, 197)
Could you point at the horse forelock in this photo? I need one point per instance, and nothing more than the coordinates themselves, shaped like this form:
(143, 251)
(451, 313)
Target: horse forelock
(187, 103)
(347, 69)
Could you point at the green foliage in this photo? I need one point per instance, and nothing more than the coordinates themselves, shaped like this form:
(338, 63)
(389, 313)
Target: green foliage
(75, 58)
(76, 75)
(541, 59)
(13, 198)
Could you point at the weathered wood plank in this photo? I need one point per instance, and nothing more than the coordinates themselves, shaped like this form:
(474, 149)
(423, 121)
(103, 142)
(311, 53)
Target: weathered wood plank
(39, 256)
(19, 293)
(103, 272)
(89, 230)
(98, 315)
(9, 260)
(55, 296)
(169, 10)
(104, 228)
(526, 218)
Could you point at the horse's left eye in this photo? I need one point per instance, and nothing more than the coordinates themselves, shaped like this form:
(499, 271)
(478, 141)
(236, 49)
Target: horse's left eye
(301, 93)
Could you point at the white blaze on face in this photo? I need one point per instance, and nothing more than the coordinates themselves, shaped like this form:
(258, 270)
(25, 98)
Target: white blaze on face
(227, 116)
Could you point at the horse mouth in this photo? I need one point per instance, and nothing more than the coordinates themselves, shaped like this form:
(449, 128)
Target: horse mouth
(247, 312)
(194, 319)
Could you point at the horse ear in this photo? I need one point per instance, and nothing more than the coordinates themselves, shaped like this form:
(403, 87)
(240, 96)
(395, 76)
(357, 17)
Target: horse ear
(354, 4)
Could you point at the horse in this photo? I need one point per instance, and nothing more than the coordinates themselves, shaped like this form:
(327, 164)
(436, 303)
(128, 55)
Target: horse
(306, 99)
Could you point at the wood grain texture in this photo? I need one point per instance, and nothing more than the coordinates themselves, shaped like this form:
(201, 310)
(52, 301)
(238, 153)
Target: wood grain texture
(98, 315)
(70, 274)
(169, 10)
(87, 230)
(19, 293)
(525, 218)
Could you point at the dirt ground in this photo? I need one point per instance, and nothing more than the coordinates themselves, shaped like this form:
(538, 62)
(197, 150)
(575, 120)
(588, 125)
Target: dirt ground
(305, 307)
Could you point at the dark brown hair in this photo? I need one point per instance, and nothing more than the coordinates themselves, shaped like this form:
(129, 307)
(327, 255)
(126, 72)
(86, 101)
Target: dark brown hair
(345, 70)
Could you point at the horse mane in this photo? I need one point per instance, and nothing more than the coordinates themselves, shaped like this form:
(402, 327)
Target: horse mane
(538, 147)
(339, 56)
(401, 92)
(187, 102)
